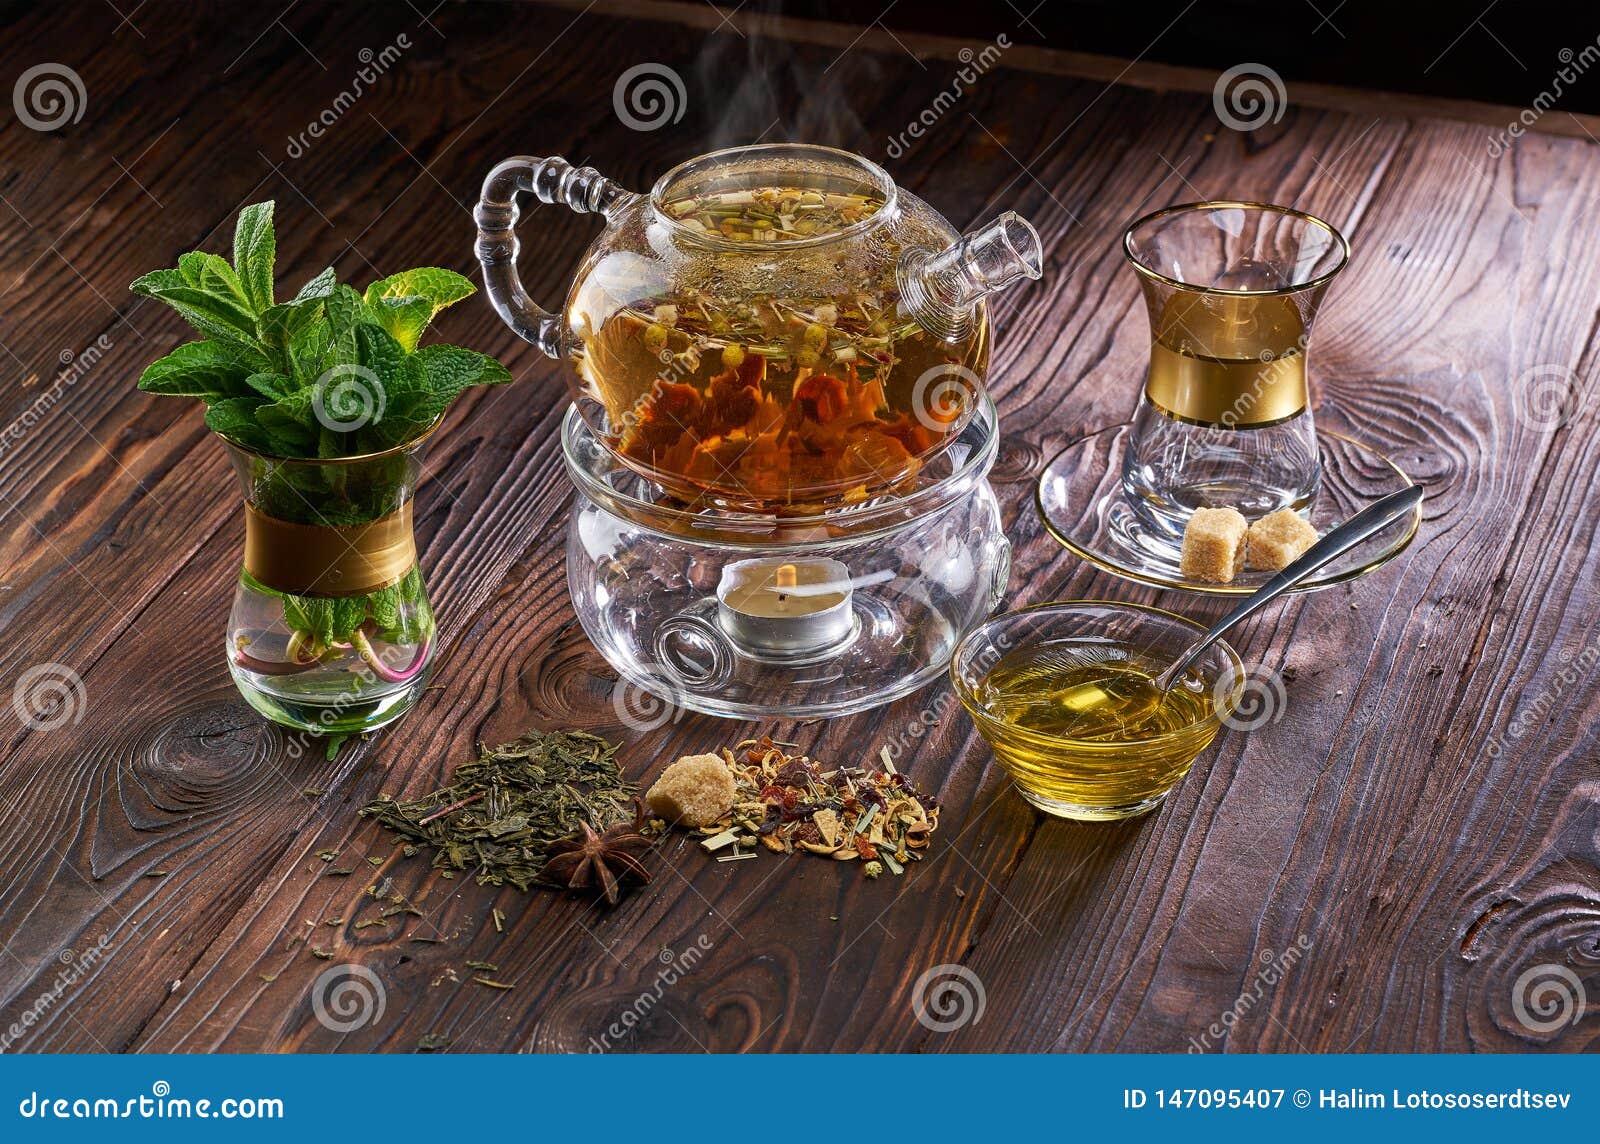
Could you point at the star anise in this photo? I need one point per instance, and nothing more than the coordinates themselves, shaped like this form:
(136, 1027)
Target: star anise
(599, 861)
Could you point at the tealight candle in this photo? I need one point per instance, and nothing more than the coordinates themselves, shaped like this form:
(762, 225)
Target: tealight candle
(775, 606)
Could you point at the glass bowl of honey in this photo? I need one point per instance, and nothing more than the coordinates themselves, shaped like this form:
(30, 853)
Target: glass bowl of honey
(1065, 694)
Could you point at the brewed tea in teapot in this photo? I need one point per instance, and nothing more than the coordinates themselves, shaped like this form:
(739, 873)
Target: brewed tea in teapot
(772, 329)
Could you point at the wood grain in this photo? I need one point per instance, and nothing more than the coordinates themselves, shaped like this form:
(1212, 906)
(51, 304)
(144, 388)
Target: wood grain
(1423, 814)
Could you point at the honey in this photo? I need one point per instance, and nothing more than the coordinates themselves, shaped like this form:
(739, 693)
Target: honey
(1085, 725)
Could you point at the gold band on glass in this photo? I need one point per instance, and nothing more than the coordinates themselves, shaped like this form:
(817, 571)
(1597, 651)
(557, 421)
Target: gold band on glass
(320, 560)
(1231, 395)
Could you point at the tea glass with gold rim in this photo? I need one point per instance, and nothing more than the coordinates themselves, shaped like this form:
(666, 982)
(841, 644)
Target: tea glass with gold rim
(1225, 418)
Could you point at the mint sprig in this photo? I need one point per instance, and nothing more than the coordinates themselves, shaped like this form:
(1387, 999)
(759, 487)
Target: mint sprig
(331, 372)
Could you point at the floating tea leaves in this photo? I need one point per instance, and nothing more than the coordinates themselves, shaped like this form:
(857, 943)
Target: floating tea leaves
(505, 808)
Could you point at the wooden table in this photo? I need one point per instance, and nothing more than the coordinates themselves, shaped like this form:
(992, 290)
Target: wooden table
(1416, 833)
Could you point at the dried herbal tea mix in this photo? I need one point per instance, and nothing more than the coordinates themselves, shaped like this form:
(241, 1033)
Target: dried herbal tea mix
(789, 802)
(550, 807)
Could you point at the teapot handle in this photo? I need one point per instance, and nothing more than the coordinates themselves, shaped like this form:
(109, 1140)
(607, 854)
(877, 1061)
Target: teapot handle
(553, 180)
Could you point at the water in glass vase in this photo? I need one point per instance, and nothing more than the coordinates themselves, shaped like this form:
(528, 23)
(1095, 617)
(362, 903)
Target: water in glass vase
(358, 682)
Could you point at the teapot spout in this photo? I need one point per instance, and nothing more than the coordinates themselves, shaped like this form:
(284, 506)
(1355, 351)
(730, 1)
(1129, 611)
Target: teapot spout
(941, 290)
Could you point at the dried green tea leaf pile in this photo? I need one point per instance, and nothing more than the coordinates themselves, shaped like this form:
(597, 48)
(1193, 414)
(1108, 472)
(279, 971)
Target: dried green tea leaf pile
(788, 802)
(526, 812)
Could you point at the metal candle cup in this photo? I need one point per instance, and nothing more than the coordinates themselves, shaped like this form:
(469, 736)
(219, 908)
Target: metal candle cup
(782, 607)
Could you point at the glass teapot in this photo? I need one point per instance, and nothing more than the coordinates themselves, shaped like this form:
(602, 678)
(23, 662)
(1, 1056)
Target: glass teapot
(771, 329)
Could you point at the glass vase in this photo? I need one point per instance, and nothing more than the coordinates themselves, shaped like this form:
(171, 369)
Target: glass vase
(331, 631)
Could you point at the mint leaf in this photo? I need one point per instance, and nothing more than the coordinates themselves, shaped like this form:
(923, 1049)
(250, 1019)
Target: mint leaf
(295, 614)
(271, 386)
(448, 370)
(210, 273)
(211, 370)
(416, 623)
(308, 351)
(345, 309)
(378, 351)
(311, 614)
(215, 315)
(407, 415)
(385, 607)
(294, 443)
(349, 613)
(319, 287)
(404, 318)
(293, 410)
(255, 249)
(234, 418)
(440, 287)
(281, 324)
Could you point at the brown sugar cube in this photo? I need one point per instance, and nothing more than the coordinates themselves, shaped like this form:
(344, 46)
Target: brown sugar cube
(1213, 545)
(1279, 539)
(697, 790)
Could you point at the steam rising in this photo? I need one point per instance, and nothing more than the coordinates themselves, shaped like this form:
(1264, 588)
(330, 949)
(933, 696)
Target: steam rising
(768, 74)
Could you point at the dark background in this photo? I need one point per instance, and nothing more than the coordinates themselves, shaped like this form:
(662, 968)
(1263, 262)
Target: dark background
(1502, 52)
(1497, 51)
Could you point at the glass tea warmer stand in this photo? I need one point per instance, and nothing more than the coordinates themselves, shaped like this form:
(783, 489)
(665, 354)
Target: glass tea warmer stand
(780, 436)
(1224, 418)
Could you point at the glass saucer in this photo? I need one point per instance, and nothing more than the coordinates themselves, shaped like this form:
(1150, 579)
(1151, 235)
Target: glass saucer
(1082, 503)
